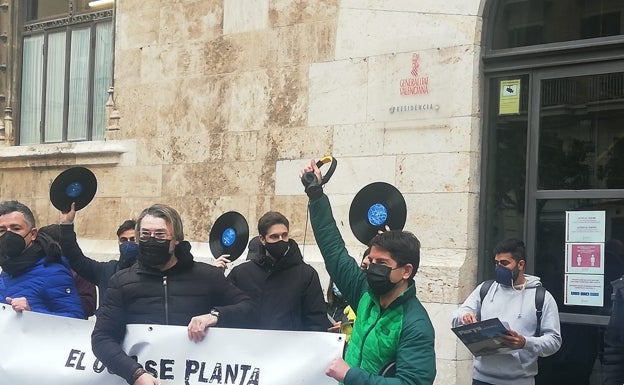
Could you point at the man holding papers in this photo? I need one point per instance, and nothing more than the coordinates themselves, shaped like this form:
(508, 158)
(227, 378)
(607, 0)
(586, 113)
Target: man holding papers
(512, 299)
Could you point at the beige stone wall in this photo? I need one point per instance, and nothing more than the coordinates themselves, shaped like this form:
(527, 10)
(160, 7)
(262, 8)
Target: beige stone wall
(222, 102)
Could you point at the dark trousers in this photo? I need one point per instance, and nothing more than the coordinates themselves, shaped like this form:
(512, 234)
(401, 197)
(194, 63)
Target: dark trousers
(477, 382)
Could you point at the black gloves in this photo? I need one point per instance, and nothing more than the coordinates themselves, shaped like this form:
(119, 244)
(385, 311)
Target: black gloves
(312, 186)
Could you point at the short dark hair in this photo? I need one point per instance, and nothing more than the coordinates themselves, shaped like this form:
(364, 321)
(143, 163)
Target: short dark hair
(403, 247)
(513, 246)
(269, 219)
(8, 207)
(366, 253)
(129, 224)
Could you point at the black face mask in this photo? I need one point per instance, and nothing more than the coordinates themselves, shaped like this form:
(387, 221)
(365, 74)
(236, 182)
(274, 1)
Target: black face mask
(153, 253)
(378, 277)
(12, 245)
(278, 249)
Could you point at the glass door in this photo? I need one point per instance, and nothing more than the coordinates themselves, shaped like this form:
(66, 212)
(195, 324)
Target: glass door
(576, 163)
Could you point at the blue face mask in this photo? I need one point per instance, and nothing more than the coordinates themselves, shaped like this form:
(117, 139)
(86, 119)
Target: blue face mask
(128, 252)
(504, 276)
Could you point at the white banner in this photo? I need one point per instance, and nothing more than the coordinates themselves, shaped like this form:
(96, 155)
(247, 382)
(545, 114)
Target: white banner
(42, 349)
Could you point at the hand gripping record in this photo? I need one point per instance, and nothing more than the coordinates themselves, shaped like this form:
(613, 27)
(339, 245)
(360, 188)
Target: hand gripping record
(312, 187)
(77, 184)
(229, 235)
(374, 207)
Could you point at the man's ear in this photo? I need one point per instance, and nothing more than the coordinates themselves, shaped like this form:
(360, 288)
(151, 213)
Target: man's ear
(33, 234)
(262, 239)
(521, 264)
(408, 269)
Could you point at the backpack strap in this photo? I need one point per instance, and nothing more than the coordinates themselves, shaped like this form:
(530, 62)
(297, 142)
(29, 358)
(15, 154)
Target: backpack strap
(482, 293)
(540, 292)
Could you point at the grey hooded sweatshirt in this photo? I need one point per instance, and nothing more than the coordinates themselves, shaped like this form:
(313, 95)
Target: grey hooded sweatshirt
(517, 308)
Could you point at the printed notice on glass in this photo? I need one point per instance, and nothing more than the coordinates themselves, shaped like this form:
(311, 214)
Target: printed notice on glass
(584, 290)
(584, 258)
(509, 100)
(585, 226)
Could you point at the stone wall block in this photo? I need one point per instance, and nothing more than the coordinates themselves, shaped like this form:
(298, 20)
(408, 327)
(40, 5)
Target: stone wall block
(158, 63)
(436, 172)
(452, 7)
(431, 135)
(190, 60)
(240, 146)
(190, 21)
(383, 32)
(295, 144)
(288, 97)
(365, 139)
(288, 12)
(437, 283)
(128, 65)
(244, 15)
(428, 213)
(338, 92)
(249, 100)
(137, 28)
(303, 43)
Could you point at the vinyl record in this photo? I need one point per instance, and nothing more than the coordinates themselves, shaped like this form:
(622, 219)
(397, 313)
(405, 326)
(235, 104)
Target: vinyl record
(374, 207)
(229, 235)
(77, 184)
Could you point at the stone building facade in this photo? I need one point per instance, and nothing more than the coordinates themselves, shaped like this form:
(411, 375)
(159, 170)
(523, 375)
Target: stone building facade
(215, 106)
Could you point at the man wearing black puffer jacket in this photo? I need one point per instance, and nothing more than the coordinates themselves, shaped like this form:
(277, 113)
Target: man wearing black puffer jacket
(165, 287)
(287, 291)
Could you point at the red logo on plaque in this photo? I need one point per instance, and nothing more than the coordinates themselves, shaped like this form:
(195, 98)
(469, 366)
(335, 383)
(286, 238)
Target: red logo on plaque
(416, 85)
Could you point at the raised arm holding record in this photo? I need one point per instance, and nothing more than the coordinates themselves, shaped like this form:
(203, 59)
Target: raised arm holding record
(76, 184)
(229, 236)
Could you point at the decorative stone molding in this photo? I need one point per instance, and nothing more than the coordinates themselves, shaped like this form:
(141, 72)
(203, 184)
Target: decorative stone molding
(85, 153)
(65, 21)
(112, 113)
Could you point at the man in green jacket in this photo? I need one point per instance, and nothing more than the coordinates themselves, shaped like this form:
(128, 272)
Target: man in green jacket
(392, 328)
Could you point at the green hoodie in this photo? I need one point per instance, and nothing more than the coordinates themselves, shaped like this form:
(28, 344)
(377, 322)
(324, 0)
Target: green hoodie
(401, 333)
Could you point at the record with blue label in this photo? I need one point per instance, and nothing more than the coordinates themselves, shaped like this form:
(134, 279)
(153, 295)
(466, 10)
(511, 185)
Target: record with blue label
(374, 207)
(77, 184)
(229, 235)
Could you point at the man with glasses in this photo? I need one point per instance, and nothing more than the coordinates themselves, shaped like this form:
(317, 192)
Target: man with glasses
(512, 299)
(286, 290)
(97, 272)
(33, 276)
(165, 287)
(392, 335)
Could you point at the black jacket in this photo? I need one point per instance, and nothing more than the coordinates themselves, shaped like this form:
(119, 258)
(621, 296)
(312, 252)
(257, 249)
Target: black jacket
(286, 293)
(613, 359)
(96, 272)
(139, 295)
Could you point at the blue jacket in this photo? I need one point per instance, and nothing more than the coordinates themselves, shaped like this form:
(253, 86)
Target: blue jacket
(49, 289)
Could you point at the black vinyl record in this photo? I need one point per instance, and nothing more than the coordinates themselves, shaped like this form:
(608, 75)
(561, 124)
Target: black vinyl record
(374, 207)
(229, 235)
(77, 184)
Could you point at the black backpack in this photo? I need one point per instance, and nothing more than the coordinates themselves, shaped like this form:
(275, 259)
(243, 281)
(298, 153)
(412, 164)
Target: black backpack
(540, 292)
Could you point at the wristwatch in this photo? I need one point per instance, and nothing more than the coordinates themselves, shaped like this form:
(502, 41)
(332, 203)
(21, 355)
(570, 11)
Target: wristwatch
(215, 313)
